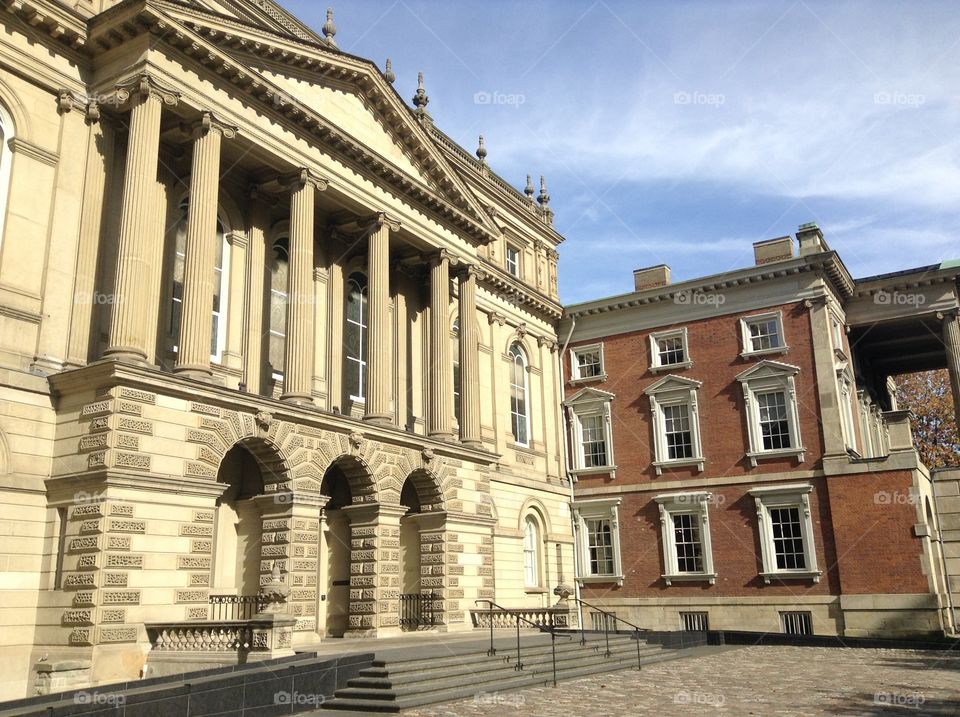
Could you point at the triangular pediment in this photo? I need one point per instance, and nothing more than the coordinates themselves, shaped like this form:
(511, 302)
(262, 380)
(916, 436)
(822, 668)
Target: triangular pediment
(589, 395)
(768, 369)
(672, 383)
(343, 101)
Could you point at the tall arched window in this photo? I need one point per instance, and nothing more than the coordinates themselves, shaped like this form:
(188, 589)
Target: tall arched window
(455, 352)
(6, 160)
(355, 337)
(519, 401)
(218, 335)
(531, 553)
(279, 275)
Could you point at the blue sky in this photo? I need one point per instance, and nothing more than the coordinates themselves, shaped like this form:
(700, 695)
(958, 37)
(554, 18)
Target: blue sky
(681, 132)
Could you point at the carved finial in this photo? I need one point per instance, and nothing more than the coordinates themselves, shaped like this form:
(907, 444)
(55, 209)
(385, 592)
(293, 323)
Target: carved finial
(528, 190)
(329, 29)
(388, 73)
(482, 151)
(544, 198)
(420, 100)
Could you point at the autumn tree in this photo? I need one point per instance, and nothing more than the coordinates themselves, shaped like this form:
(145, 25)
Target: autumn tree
(929, 398)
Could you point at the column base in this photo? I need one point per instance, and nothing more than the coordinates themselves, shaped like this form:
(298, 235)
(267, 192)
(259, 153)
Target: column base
(304, 398)
(441, 436)
(472, 442)
(382, 418)
(125, 353)
(200, 373)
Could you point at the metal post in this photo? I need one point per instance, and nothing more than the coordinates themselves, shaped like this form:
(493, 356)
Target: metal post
(606, 632)
(637, 635)
(553, 648)
(519, 664)
(492, 651)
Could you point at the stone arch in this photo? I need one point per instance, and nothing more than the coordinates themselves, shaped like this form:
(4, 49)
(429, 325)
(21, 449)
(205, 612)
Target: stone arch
(17, 112)
(533, 506)
(428, 489)
(4, 454)
(269, 457)
(363, 486)
(523, 340)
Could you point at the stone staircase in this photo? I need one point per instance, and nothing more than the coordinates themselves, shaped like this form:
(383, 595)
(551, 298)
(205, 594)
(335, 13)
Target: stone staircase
(408, 680)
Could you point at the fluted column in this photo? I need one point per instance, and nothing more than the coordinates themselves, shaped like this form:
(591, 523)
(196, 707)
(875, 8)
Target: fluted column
(193, 355)
(469, 359)
(128, 331)
(441, 368)
(951, 340)
(298, 357)
(380, 354)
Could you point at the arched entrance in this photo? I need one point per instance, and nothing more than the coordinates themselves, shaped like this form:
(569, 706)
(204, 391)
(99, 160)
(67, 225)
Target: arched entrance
(333, 614)
(238, 525)
(421, 525)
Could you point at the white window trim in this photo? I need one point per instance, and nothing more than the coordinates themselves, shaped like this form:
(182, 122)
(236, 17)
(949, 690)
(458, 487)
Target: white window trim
(672, 391)
(775, 377)
(519, 262)
(845, 392)
(655, 365)
(224, 312)
(793, 495)
(591, 404)
(598, 509)
(745, 334)
(575, 378)
(527, 415)
(364, 359)
(696, 503)
(537, 585)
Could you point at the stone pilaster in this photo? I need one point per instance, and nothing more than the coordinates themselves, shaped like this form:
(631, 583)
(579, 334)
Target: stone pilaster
(469, 360)
(374, 569)
(380, 355)
(434, 576)
(256, 294)
(193, 356)
(440, 370)
(298, 358)
(951, 340)
(128, 332)
(236, 306)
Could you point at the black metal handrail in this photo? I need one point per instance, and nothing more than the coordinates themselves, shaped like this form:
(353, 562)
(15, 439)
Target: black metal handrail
(551, 628)
(606, 627)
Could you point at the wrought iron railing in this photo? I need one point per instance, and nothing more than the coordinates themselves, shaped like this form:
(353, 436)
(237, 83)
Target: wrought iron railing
(609, 619)
(234, 607)
(418, 611)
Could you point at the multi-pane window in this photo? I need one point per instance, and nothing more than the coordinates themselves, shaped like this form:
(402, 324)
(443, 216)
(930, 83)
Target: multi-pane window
(218, 332)
(355, 337)
(676, 421)
(513, 260)
(519, 417)
(668, 349)
(455, 352)
(787, 538)
(774, 425)
(531, 553)
(594, 440)
(763, 333)
(279, 276)
(686, 538)
(587, 362)
(600, 546)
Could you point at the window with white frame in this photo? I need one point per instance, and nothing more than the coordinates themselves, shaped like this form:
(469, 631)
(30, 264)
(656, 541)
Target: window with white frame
(598, 528)
(513, 260)
(6, 163)
(773, 421)
(669, 350)
(455, 352)
(786, 532)
(836, 329)
(519, 396)
(218, 334)
(763, 334)
(531, 553)
(845, 388)
(586, 363)
(685, 531)
(279, 276)
(355, 337)
(591, 437)
(676, 424)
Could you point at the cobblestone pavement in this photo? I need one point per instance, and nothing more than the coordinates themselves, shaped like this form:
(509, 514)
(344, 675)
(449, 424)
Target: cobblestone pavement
(757, 681)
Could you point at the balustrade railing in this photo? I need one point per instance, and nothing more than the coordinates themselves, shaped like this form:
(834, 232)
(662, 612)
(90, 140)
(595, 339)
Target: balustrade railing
(200, 638)
(234, 607)
(533, 617)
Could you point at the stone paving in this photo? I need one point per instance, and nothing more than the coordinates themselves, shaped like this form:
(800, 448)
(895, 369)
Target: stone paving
(761, 681)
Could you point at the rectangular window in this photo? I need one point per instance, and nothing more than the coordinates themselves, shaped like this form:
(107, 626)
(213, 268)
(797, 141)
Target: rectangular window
(671, 351)
(586, 362)
(763, 334)
(686, 537)
(694, 621)
(676, 421)
(600, 546)
(796, 623)
(593, 432)
(668, 349)
(513, 260)
(787, 538)
(774, 425)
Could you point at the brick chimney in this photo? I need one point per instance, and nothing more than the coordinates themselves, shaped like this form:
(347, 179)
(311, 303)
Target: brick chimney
(651, 277)
(771, 250)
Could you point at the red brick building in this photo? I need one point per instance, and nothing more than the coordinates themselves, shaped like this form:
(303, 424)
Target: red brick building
(740, 464)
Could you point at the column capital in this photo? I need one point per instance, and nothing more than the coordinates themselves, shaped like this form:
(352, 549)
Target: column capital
(67, 101)
(465, 271)
(207, 123)
(292, 182)
(495, 317)
(140, 86)
(440, 255)
(382, 219)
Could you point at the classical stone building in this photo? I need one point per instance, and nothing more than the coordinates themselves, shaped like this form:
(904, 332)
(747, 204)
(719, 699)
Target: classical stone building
(740, 458)
(264, 330)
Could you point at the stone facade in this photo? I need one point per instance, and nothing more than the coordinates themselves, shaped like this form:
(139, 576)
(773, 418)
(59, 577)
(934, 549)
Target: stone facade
(159, 159)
